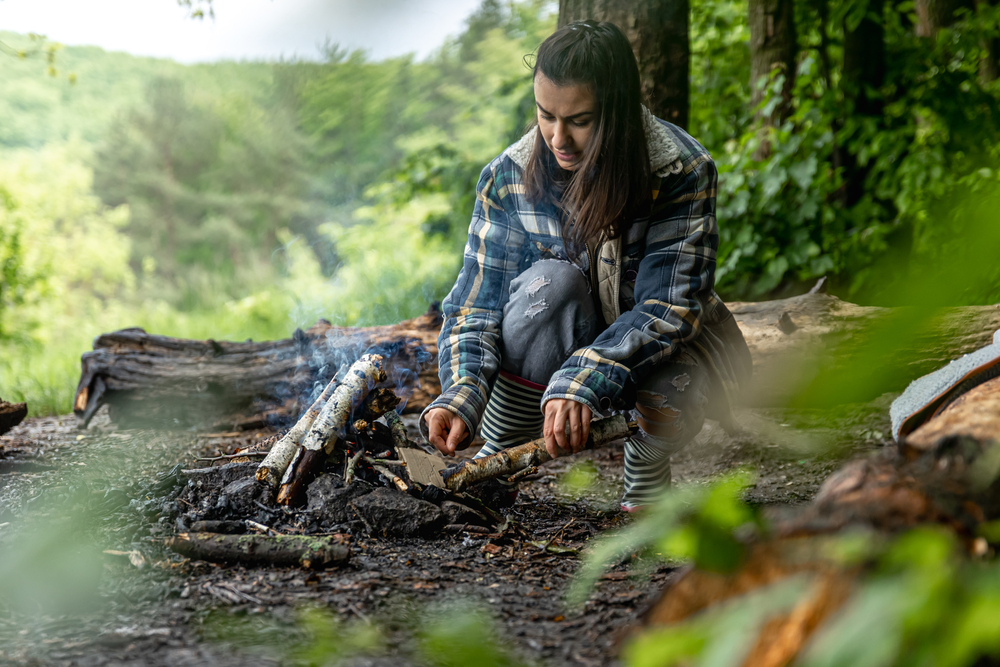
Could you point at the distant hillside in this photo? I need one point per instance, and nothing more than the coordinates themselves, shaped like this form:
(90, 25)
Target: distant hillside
(37, 108)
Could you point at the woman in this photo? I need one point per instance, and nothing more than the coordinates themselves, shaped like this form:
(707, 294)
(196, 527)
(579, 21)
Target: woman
(588, 277)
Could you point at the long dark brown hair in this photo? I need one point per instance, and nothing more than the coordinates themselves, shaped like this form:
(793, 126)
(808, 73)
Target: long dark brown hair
(612, 182)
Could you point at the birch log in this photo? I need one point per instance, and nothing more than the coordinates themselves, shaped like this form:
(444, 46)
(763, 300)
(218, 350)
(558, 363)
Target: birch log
(274, 465)
(362, 376)
(530, 454)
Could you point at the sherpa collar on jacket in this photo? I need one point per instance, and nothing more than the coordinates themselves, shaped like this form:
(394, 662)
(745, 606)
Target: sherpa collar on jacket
(663, 151)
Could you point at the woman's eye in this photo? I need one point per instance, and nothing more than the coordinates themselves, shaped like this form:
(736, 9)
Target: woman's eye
(581, 123)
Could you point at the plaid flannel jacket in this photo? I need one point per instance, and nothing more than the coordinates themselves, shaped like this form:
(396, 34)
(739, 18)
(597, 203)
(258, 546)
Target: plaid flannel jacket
(666, 263)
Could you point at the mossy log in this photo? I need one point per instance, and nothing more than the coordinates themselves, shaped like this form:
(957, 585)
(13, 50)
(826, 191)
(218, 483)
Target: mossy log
(306, 551)
(158, 381)
(944, 473)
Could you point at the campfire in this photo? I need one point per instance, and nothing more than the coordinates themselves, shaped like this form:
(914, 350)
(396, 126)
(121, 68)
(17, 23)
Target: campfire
(348, 455)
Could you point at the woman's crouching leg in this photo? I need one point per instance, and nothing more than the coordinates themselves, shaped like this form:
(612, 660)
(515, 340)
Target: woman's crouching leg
(670, 411)
(550, 315)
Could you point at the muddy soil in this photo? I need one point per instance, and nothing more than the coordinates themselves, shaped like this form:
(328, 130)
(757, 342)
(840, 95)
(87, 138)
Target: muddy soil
(86, 580)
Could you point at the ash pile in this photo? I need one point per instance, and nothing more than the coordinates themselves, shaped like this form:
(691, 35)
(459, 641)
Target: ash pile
(346, 466)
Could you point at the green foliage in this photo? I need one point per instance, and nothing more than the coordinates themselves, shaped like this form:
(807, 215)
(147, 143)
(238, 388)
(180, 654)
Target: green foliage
(791, 217)
(462, 636)
(694, 523)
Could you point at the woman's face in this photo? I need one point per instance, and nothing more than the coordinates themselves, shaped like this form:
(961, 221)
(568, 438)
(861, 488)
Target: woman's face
(566, 118)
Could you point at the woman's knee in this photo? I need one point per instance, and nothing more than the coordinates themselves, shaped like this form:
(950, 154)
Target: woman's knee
(670, 406)
(550, 314)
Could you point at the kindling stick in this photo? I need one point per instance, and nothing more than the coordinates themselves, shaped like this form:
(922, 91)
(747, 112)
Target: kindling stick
(360, 378)
(531, 454)
(276, 462)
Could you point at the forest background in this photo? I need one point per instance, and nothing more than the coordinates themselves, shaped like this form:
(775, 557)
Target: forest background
(243, 200)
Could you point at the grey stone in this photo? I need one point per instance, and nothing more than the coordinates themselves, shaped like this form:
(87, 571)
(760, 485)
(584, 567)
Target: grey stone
(388, 512)
(329, 499)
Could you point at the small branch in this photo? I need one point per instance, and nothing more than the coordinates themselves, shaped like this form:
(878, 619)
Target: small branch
(386, 462)
(352, 466)
(267, 530)
(224, 457)
(307, 551)
(385, 472)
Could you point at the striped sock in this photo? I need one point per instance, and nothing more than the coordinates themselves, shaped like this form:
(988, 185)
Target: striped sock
(647, 472)
(513, 415)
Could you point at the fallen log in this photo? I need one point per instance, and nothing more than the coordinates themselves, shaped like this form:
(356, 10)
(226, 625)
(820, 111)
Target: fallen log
(944, 473)
(530, 455)
(306, 551)
(157, 381)
(792, 339)
(11, 414)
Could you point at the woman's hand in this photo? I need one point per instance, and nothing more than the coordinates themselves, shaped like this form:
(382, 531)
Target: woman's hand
(445, 430)
(558, 413)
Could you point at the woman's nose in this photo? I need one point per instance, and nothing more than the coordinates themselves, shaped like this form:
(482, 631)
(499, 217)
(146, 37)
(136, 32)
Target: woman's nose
(559, 136)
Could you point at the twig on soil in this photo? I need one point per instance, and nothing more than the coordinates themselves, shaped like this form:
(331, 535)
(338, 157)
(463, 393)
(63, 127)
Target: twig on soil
(267, 530)
(390, 462)
(237, 455)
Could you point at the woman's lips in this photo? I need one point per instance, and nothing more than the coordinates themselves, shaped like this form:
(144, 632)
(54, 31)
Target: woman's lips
(566, 157)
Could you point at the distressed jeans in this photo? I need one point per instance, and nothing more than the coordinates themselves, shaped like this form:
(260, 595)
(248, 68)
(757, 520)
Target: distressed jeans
(550, 315)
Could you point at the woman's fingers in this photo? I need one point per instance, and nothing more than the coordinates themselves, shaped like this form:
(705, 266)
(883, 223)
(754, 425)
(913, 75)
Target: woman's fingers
(443, 432)
(456, 433)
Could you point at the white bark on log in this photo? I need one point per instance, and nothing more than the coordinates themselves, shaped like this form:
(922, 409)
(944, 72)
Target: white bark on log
(362, 376)
(531, 454)
(274, 465)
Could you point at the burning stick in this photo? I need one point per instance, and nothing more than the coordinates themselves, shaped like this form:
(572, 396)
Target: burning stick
(530, 455)
(364, 374)
(274, 465)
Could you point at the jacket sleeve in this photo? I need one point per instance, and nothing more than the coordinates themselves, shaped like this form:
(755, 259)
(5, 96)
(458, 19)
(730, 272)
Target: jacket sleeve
(468, 346)
(674, 283)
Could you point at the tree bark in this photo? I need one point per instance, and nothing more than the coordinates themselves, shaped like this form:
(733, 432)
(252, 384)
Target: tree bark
(863, 76)
(158, 381)
(658, 31)
(989, 63)
(932, 15)
(773, 46)
(936, 477)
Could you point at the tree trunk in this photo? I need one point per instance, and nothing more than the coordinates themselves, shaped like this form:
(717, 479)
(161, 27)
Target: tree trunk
(157, 381)
(989, 63)
(773, 46)
(932, 15)
(863, 75)
(936, 478)
(658, 31)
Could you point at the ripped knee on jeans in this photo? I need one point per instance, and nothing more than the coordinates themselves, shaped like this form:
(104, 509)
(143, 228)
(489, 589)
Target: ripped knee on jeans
(660, 420)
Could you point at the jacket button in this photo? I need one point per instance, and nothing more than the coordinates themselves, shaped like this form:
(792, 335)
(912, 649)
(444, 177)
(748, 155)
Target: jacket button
(631, 275)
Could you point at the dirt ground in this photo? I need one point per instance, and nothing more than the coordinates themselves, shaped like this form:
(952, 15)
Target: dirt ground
(69, 496)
